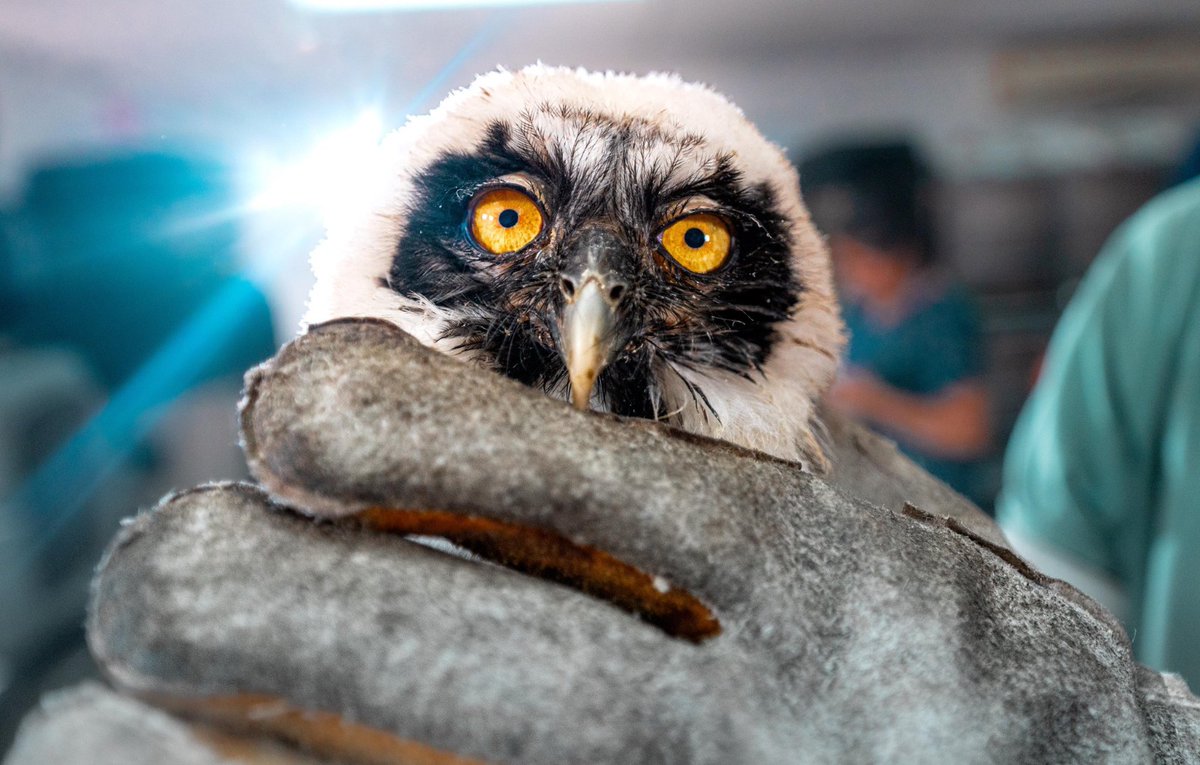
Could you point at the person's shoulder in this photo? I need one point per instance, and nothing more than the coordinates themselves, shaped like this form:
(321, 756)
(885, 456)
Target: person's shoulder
(1180, 204)
(1168, 226)
(1152, 259)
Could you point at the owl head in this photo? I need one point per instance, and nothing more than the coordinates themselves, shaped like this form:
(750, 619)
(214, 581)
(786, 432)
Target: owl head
(631, 244)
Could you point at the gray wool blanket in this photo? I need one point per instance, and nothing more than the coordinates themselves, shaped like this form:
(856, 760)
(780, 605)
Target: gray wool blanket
(637, 594)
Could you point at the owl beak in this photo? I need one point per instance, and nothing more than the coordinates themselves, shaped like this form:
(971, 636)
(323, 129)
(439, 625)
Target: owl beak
(588, 321)
(593, 284)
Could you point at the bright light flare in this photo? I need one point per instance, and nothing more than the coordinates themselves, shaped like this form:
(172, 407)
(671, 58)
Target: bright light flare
(329, 177)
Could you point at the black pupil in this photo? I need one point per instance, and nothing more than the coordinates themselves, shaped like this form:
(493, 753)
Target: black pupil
(509, 218)
(693, 238)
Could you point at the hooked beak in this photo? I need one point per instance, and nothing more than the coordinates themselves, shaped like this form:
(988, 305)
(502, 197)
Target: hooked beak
(587, 334)
(593, 288)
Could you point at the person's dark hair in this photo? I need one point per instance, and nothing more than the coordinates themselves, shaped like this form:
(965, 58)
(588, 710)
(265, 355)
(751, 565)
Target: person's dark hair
(877, 193)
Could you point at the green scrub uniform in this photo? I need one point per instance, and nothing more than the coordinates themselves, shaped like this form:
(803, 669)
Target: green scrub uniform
(1105, 459)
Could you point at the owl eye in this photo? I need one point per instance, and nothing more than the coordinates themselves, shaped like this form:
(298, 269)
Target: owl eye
(700, 242)
(504, 220)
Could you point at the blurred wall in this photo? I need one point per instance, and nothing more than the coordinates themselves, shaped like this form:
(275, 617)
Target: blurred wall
(47, 106)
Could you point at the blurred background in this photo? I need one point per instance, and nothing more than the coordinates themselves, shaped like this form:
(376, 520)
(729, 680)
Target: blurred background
(163, 167)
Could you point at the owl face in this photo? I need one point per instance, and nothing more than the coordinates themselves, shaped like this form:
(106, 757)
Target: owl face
(566, 231)
(631, 244)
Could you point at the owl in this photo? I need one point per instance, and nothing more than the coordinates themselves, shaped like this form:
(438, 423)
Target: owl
(629, 244)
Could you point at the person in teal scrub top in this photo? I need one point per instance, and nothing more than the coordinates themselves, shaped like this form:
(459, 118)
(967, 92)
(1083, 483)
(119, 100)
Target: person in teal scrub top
(914, 365)
(1102, 475)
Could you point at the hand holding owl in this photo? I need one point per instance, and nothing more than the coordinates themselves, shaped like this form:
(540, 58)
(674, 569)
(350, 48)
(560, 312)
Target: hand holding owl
(830, 628)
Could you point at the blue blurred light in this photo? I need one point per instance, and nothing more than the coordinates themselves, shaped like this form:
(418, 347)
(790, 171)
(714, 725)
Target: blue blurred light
(62, 484)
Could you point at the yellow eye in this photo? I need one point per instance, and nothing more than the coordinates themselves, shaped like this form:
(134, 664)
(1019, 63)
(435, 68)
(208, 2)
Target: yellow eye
(504, 220)
(700, 242)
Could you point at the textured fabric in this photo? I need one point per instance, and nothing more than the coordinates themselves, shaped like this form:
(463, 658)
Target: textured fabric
(1105, 459)
(937, 344)
(849, 633)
